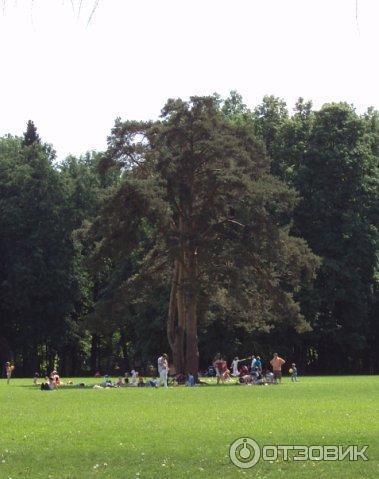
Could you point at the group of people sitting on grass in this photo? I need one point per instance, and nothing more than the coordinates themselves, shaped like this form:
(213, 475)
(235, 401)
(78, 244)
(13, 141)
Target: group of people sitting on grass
(138, 381)
(135, 380)
(250, 370)
(128, 380)
(51, 382)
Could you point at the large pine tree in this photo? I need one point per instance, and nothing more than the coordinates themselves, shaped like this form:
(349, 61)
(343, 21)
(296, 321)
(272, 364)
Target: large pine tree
(200, 185)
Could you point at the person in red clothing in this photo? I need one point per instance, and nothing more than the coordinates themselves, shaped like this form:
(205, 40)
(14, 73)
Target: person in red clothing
(277, 363)
(225, 371)
(221, 367)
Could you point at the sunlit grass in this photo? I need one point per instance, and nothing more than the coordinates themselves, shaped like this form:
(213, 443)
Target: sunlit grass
(184, 432)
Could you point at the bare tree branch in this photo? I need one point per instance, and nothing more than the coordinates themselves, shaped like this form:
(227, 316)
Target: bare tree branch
(96, 4)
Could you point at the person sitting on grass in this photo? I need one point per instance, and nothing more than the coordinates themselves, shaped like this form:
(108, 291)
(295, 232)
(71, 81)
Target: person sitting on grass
(255, 377)
(270, 379)
(261, 381)
(152, 383)
(120, 383)
(247, 379)
(244, 371)
(35, 379)
(107, 383)
(141, 383)
(52, 383)
(151, 370)
(190, 380)
(126, 379)
(226, 373)
(178, 380)
(45, 385)
(56, 378)
(134, 380)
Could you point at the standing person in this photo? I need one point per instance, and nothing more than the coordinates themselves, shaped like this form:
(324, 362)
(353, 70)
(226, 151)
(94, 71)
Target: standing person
(293, 372)
(219, 365)
(163, 369)
(234, 367)
(253, 363)
(277, 363)
(8, 370)
(258, 365)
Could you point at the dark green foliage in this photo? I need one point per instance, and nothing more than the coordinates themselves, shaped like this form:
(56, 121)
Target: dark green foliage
(197, 196)
(31, 135)
(335, 216)
(214, 205)
(331, 158)
(37, 281)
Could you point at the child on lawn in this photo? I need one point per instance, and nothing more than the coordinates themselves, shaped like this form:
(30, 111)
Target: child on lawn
(8, 370)
(294, 373)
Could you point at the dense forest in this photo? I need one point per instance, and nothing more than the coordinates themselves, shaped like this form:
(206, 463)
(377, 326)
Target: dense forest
(216, 228)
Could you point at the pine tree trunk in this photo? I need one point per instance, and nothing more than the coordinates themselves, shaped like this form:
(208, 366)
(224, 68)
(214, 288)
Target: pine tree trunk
(187, 296)
(192, 352)
(175, 323)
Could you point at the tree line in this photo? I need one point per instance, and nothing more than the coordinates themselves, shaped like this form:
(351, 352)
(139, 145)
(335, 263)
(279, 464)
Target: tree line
(216, 228)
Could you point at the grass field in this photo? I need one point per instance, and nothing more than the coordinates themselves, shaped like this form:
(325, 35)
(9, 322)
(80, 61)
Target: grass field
(184, 432)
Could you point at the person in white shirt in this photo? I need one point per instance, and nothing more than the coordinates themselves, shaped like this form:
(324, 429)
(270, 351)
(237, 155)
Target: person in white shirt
(234, 366)
(163, 370)
(134, 380)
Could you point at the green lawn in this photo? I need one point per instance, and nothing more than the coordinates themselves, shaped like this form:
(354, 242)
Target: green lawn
(184, 432)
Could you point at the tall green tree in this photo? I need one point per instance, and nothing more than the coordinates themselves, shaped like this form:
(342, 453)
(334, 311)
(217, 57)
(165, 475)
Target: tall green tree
(269, 118)
(200, 186)
(30, 136)
(37, 280)
(85, 188)
(335, 217)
